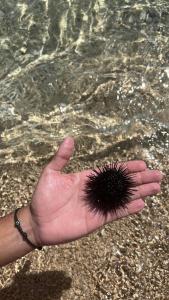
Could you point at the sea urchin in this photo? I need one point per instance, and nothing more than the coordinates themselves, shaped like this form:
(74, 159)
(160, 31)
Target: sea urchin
(109, 188)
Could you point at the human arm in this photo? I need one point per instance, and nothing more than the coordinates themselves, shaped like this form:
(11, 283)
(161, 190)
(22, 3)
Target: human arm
(12, 245)
(57, 213)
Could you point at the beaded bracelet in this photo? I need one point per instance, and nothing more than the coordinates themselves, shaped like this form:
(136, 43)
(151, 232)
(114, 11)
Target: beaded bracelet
(24, 234)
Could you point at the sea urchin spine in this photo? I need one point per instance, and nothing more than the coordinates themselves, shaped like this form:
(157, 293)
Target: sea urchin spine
(109, 188)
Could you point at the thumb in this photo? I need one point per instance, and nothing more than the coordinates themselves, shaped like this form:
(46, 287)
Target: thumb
(62, 156)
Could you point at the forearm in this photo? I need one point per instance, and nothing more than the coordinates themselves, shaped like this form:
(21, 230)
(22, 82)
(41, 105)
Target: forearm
(12, 245)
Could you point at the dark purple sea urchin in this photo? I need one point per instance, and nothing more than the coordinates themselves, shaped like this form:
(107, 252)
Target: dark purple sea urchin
(109, 188)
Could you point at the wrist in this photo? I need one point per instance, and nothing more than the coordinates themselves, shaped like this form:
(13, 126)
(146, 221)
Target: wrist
(28, 226)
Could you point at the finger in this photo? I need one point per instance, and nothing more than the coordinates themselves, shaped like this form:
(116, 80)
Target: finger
(145, 190)
(147, 176)
(135, 206)
(62, 156)
(134, 166)
(132, 208)
(131, 166)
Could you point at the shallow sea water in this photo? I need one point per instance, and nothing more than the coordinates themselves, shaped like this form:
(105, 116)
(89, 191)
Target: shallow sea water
(97, 70)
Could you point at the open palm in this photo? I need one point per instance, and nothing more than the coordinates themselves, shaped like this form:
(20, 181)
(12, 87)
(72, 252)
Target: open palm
(60, 215)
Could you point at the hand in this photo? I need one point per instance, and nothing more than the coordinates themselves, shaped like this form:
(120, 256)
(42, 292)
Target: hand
(57, 209)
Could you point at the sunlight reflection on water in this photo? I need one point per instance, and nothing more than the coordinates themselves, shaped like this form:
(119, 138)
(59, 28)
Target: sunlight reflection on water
(66, 65)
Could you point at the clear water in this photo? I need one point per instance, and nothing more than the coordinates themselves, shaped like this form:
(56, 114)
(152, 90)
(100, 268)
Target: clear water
(94, 69)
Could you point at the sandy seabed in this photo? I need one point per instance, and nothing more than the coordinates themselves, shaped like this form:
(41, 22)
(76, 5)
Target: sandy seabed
(128, 259)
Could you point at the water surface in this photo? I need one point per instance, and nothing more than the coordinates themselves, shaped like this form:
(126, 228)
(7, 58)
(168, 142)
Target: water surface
(97, 70)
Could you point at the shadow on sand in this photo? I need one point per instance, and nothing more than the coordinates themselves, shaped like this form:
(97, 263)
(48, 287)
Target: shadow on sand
(42, 286)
